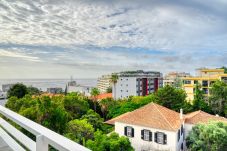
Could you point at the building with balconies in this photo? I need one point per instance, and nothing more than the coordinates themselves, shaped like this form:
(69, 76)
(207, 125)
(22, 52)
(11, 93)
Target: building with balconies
(136, 83)
(205, 78)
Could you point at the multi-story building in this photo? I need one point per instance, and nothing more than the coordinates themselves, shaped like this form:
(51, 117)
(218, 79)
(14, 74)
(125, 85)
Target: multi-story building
(154, 127)
(136, 83)
(104, 83)
(204, 77)
(173, 78)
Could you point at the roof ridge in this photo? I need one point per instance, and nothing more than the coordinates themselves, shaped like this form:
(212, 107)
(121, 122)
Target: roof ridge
(163, 116)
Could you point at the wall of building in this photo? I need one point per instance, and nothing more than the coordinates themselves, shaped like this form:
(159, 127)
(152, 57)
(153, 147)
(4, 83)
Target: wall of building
(125, 87)
(139, 144)
(104, 83)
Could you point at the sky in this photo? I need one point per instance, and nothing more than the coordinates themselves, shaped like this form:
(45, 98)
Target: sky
(88, 38)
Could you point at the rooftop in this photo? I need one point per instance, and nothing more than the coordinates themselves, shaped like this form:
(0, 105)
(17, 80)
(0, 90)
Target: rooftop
(151, 115)
(202, 117)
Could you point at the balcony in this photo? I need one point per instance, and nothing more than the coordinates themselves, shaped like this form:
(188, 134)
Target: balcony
(12, 139)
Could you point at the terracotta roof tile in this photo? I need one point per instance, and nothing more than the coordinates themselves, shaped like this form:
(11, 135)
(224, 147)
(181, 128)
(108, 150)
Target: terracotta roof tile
(151, 115)
(202, 117)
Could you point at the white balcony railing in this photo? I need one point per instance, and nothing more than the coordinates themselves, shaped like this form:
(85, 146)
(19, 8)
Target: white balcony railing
(18, 141)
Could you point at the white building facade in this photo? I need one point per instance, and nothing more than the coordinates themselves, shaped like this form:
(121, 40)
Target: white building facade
(156, 128)
(104, 83)
(136, 83)
(148, 139)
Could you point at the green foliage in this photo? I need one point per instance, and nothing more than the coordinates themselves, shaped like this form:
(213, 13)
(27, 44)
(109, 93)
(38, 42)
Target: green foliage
(225, 69)
(109, 90)
(208, 137)
(51, 113)
(76, 105)
(199, 102)
(171, 97)
(94, 119)
(113, 142)
(33, 90)
(95, 92)
(79, 131)
(18, 90)
(123, 106)
(218, 98)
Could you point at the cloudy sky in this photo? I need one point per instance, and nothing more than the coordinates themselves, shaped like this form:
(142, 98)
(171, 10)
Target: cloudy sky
(87, 38)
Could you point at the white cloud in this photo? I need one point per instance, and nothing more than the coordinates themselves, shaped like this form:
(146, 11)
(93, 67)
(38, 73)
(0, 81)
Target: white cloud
(4, 53)
(83, 34)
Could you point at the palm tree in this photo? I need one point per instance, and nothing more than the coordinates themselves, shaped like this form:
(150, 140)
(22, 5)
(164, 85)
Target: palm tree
(114, 78)
(94, 93)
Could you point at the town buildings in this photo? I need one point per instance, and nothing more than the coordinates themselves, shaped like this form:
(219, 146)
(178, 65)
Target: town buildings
(204, 77)
(174, 78)
(72, 86)
(104, 83)
(136, 83)
(154, 127)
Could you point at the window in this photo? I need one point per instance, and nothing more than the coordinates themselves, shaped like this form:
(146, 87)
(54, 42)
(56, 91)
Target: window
(205, 83)
(187, 81)
(146, 135)
(195, 81)
(205, 90)
(129, 131)
(160, 138)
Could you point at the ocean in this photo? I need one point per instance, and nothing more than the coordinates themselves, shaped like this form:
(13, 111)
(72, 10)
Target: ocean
(43, 84)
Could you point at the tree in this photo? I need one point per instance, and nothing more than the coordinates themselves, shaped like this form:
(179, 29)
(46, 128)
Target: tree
(94, 119)
(171, 97)
(18, 90)
(76, 105)
(106, 104)
(199, 100)
(114, 78)
(208, 137)
(79, 131)
(218, 98)
(109, 90)
(33, 90)
(94, 93)
(225, 69)
(51, 113)
(112, 142)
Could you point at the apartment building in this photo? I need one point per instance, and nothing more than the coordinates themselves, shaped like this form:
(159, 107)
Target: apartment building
(173, 78)
(104, 83)
(136, 83)
(154, 127)
(204, 77)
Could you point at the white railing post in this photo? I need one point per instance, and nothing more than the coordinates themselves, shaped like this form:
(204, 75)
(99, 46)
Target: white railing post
(41, 144)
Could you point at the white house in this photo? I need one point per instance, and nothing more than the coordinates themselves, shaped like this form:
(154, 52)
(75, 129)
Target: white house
(154, 127)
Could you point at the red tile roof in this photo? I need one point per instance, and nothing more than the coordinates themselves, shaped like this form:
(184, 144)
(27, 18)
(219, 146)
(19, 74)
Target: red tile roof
(202, 117)
(104, 96)
(151, 115)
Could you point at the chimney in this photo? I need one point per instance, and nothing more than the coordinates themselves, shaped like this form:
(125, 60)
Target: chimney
(181, 114)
